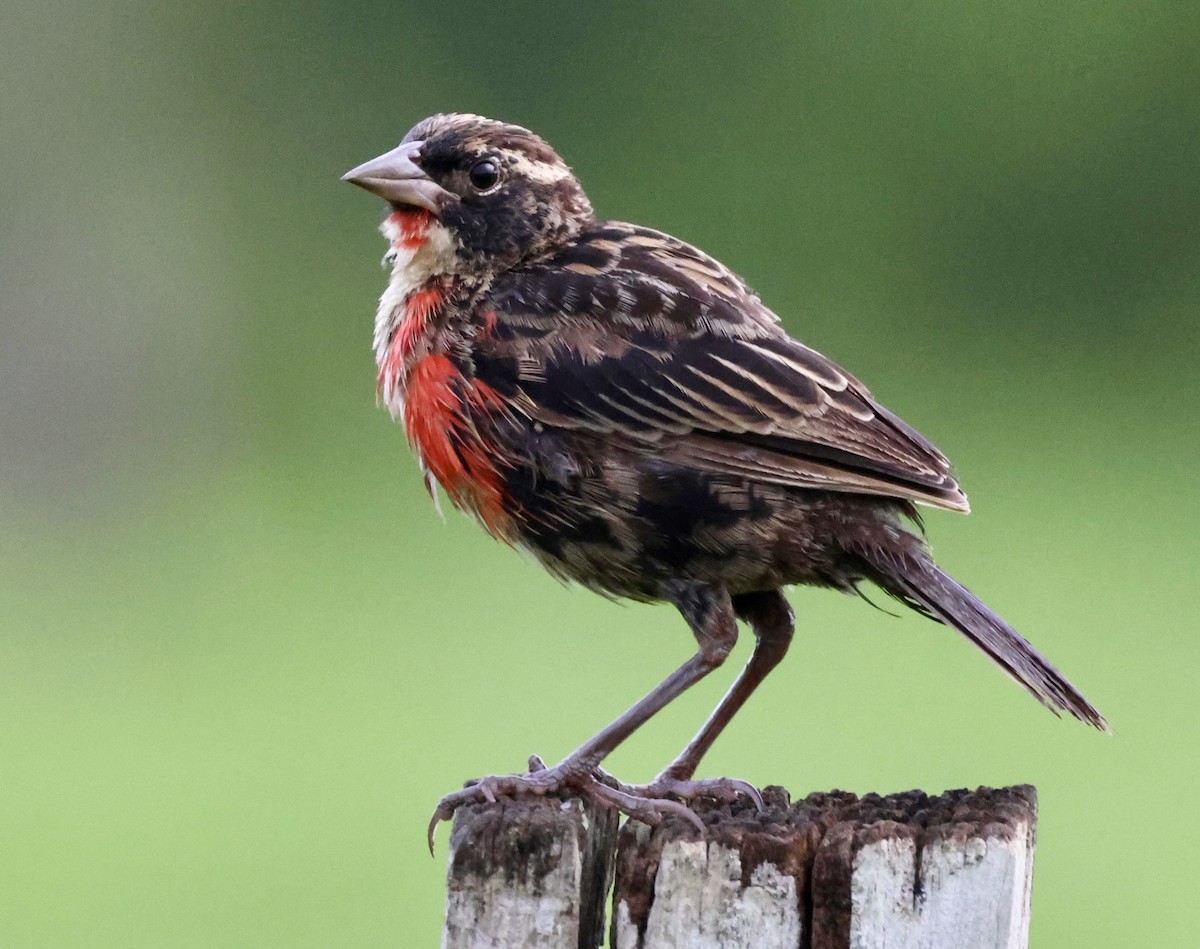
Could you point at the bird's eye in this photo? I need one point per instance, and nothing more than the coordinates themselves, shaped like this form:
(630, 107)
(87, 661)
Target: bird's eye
(484, 175)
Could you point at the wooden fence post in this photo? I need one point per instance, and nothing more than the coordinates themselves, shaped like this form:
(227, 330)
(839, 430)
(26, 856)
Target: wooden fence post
(529, 874)
(833, 871)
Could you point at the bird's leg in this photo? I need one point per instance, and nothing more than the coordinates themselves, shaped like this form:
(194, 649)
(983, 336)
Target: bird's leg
(709, 612)
(770, 616)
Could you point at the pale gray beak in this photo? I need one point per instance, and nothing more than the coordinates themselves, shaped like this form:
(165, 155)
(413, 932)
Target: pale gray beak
(396, 177)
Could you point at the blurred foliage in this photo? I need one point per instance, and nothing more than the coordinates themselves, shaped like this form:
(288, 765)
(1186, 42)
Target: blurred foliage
(240, 656)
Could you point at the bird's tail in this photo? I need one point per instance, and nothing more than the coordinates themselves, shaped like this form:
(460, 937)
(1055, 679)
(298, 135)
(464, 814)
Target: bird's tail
(911, 576)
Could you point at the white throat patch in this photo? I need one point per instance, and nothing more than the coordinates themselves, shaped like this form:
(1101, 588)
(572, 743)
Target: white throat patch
(411, 267)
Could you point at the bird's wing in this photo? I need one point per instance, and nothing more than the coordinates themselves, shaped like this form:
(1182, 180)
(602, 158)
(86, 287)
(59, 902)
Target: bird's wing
(631, 332)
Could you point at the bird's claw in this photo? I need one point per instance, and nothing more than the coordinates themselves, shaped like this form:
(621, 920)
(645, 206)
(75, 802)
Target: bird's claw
(723, 790)
(537, 783)
(648, 810)
(648, 803)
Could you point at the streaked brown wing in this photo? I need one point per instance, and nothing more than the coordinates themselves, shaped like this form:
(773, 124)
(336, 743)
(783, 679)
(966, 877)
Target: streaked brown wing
(647, 337)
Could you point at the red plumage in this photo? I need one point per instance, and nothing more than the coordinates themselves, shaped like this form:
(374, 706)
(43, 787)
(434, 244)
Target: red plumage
(446, 416)
(412, 225)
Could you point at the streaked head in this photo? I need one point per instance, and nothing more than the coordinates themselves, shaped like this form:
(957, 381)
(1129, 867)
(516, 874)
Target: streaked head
(503, 193)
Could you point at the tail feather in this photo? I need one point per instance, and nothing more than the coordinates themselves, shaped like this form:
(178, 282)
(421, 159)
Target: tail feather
(913, 578)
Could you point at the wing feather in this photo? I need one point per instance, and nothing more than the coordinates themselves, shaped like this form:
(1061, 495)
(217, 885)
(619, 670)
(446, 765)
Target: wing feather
(630, 331)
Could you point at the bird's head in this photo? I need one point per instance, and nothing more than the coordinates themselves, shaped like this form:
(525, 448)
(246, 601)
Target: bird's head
(500, 193)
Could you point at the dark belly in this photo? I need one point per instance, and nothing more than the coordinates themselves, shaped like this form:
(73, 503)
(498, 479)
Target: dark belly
(620, 520)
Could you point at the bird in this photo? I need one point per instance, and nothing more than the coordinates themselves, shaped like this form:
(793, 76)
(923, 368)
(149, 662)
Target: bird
(623, 407)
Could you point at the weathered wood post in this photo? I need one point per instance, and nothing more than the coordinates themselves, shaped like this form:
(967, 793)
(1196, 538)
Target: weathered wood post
(833, 871)
(531, 873)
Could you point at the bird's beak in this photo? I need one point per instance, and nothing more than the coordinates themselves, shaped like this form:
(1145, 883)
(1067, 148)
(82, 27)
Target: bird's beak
(396, 177)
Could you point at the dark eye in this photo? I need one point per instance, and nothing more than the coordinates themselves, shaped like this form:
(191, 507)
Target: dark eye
(484, 175)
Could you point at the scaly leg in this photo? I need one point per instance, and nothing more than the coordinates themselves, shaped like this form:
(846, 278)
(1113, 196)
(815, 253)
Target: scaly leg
(709, 612)
(771, 618)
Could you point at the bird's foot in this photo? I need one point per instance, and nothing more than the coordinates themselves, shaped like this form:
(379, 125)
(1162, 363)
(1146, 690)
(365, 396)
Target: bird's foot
(646, 803)
(721, 790)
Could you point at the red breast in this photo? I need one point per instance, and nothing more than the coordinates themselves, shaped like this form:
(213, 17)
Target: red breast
(419, 306)
(443, 409)
(442, 414)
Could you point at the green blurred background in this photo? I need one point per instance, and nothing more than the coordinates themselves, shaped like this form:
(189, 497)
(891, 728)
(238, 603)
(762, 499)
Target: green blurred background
(241, 656)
